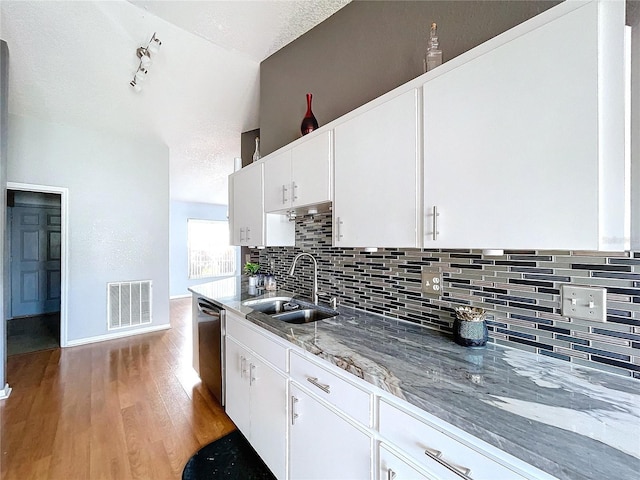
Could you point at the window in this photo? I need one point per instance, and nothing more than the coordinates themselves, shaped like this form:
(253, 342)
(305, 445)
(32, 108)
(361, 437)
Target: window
(210, 254)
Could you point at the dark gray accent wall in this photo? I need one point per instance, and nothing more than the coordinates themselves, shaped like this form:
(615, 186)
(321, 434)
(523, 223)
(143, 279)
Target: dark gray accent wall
(248, 145)
(4, 253)
(367, 49)
(360, 53)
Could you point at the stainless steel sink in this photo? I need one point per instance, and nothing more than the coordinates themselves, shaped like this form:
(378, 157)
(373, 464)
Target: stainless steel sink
(290, 310)
(268, 305)
(305, 315)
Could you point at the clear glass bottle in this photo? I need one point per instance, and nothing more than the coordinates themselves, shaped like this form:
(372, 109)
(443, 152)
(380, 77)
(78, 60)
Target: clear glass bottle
(256, 153)
(270, 283)
(434, 54)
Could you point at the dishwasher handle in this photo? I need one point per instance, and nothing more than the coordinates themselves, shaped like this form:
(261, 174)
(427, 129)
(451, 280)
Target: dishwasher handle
(208, 308)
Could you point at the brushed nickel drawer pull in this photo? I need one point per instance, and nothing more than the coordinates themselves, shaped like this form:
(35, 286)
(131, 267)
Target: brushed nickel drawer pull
(322, 386)
(294, 415)
(433, 453)
(435, 222)
(252, 377)
(462, 472)
(243, 366)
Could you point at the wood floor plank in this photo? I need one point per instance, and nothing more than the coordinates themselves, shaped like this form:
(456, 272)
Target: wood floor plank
(123, 409)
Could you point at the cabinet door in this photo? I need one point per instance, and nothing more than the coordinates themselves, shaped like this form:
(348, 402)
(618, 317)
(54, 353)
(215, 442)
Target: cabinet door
(377, 160)
(323, 444)
(269, 416)
(311, 167)
(277, 182)
(512, 140)
(248, 215)
(237, 403)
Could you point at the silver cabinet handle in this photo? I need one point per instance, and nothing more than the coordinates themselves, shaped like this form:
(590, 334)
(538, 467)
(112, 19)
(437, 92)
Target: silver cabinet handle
(338, 228)
(252, 377)
(241, 230)
(322, 386)
(294, 415)
(243, 366)
(248, 236)
(295, 191)
(391, 475)
(433, 453)
(462, 472)
(435, 222)
(284, 195)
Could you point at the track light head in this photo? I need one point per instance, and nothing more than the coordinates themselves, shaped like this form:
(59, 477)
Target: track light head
(144, 54)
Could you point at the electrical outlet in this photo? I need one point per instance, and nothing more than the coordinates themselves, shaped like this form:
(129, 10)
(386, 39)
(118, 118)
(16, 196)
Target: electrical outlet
(586, 303)
(431, 282)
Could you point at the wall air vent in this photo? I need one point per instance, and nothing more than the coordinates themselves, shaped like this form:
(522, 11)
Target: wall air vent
(128, 304)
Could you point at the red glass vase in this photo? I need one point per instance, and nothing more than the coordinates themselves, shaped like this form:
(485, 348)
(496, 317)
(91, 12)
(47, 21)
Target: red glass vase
(309, 122)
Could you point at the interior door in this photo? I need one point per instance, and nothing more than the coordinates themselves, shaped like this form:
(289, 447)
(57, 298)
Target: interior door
(35, 260)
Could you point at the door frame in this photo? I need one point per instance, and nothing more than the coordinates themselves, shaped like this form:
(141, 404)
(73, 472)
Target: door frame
(64, 230)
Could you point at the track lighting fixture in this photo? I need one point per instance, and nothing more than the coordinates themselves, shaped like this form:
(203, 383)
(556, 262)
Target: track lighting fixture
(144, 54)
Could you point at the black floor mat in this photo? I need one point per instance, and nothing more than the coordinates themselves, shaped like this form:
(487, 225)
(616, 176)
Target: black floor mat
(230, 457)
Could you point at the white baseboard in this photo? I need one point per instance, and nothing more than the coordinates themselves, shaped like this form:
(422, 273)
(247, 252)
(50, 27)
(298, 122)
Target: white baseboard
(5, 392)
(115, 335)
(173, 297)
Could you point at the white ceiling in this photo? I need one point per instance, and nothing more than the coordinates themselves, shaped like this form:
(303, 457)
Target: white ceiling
(71, 63)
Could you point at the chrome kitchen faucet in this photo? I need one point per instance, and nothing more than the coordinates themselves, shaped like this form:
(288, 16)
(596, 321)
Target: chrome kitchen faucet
(315, 273)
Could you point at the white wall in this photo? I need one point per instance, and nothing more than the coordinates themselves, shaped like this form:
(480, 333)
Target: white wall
(4, 263)
(635, 137)
(118, 212)
(180, 213)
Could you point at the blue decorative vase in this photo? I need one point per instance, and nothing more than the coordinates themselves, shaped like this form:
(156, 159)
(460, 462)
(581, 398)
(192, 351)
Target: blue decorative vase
(470, 333)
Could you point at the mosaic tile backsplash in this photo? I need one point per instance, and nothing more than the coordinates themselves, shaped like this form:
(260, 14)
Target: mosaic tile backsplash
(520, 290)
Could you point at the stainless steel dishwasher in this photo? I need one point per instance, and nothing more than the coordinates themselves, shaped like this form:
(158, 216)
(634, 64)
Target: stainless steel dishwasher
(211, 330)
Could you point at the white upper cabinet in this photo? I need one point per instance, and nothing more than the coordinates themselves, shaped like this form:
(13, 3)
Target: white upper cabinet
(377, 165)
(277, 181)
(524, 143)
(245, 206)
(311, 170)
(248, 223)
(300, 176)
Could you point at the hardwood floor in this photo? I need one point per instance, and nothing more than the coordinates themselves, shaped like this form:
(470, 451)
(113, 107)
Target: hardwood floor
(124, 409)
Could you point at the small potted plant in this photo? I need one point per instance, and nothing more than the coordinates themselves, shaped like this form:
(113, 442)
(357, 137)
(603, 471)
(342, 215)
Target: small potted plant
(470, 327)
(251, 269)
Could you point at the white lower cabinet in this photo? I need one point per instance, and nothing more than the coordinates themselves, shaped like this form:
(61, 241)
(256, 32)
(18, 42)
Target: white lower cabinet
(237, 386)
(323, 444)
(308, 419)
(256, 396)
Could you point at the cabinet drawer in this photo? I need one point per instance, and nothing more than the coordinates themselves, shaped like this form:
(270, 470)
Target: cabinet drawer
(272, 352)
(393, 467)
(416, 437)
(327, 385)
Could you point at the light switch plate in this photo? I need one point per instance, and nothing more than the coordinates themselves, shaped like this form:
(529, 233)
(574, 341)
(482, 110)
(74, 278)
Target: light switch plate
(586, 303)
(431, 282)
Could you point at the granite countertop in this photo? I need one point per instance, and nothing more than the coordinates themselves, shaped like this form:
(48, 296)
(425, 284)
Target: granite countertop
(570, 421)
